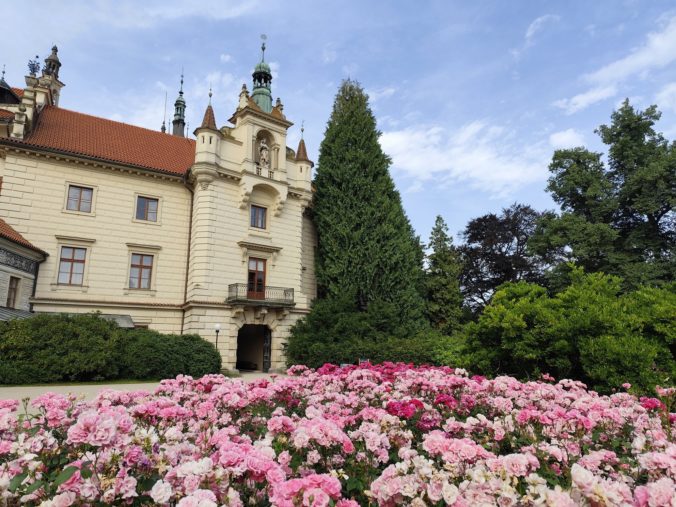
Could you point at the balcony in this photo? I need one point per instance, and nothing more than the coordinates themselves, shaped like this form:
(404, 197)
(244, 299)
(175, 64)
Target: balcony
(268, 296)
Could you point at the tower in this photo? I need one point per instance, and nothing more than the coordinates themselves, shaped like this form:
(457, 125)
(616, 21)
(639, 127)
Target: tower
(179, 113)
(262, 79)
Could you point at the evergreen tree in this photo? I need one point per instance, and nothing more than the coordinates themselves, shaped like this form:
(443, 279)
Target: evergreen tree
(367, 248)
(444, 299)
(619, 218)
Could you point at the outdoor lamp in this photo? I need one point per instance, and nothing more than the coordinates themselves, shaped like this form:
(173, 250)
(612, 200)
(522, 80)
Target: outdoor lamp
(217, 328)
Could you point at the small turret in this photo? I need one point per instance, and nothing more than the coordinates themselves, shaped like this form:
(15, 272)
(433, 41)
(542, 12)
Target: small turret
(179, 113)
(52, 64)
(262, 79)
(305, 165)
(207, 137)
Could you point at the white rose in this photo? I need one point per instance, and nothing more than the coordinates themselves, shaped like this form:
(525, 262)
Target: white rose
(161, 492)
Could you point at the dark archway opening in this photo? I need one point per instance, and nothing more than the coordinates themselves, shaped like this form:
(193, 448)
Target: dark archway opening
(254, 343)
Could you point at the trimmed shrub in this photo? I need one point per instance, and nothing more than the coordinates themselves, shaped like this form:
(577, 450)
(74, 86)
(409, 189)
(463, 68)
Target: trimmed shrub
(53, 348)
(58, 348)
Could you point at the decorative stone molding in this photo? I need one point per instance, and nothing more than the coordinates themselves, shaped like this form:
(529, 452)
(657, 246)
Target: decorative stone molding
(258, 248)
(279, 205)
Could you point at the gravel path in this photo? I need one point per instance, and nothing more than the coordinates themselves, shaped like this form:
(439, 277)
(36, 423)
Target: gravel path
(90, 390)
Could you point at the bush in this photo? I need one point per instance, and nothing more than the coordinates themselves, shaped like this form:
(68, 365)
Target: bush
(589, 332)
(57, 348)
(53, 348)
(336, 332)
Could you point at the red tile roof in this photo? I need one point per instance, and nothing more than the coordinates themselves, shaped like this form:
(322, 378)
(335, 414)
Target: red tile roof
(209, 120)
(81, 134)
(18, 91)
(5, 114)
(8, 232)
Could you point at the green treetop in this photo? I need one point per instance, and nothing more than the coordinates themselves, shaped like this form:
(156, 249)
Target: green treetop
(444, 267)
(616, 218)
(367, 247)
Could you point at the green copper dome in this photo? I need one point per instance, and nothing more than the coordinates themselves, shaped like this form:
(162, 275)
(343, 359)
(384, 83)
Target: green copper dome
(262, 80)
(262, 67)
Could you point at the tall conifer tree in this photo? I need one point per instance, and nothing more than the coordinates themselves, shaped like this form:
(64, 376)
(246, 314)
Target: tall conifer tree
(367, 247)
(444, 267)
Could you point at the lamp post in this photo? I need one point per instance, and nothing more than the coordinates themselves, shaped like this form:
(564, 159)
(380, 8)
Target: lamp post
(217, 328)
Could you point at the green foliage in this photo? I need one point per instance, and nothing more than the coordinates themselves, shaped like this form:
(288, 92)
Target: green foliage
(618, 218)
(589, 331)
(146, 354)
(58, 348)
(442, 281)
(495, 252)
(366, 246)
(50, 348)
(347, 335)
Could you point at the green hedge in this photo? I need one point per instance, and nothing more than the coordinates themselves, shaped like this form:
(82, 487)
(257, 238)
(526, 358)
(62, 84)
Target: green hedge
(57, 348)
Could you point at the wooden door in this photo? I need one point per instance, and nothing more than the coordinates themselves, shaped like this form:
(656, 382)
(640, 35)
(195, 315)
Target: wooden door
(256, 280)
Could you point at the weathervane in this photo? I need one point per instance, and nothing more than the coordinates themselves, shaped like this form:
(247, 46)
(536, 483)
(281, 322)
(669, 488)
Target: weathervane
(263, 38)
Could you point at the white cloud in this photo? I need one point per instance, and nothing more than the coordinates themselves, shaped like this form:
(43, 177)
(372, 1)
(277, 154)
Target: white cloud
(538, 25)
(225, 58)
(127, 13)
(381, 93)
(586, 99)
(666, 97)
(569, 138)
(658, 51)
(478, 153)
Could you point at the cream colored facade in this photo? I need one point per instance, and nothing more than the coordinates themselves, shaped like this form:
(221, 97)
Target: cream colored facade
(200, 244)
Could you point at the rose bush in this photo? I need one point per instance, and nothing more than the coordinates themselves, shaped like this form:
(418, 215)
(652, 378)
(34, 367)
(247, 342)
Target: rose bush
(387, 435)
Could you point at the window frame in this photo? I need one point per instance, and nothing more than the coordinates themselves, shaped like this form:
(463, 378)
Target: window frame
(141, 268)
(73, 261)
(13, 291)
(147, 198)
(80, 200)
(81, 186)
(254, 211)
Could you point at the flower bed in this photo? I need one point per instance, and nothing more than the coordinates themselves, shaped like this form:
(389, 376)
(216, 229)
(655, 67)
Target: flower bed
(368, 435)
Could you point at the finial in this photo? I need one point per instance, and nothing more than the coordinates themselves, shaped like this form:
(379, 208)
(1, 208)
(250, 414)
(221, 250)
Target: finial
(3, 72)
(302, 128)
(210, 94)
(263, 38)
(181, 90)
(164, 119)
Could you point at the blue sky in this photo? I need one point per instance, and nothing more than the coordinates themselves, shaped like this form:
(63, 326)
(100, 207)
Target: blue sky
(472, 97)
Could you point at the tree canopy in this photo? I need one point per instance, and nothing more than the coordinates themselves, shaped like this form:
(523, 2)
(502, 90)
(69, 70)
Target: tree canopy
(616, 217)
(367, 248)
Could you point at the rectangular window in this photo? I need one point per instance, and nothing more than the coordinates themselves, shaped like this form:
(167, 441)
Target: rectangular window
(12, 291)
(79, 199)
(258, 216)
(71, 265)
(146, 209)
(141, 271)
(256, 280)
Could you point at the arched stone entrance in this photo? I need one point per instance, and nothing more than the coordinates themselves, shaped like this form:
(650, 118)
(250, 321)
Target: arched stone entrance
(254, 348)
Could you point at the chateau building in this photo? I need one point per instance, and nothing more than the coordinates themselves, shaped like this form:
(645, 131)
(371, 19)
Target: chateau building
(205, 235)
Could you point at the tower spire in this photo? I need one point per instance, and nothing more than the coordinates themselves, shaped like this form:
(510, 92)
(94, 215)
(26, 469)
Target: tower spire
(262, 79)
(164, 118)
(179, 112)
